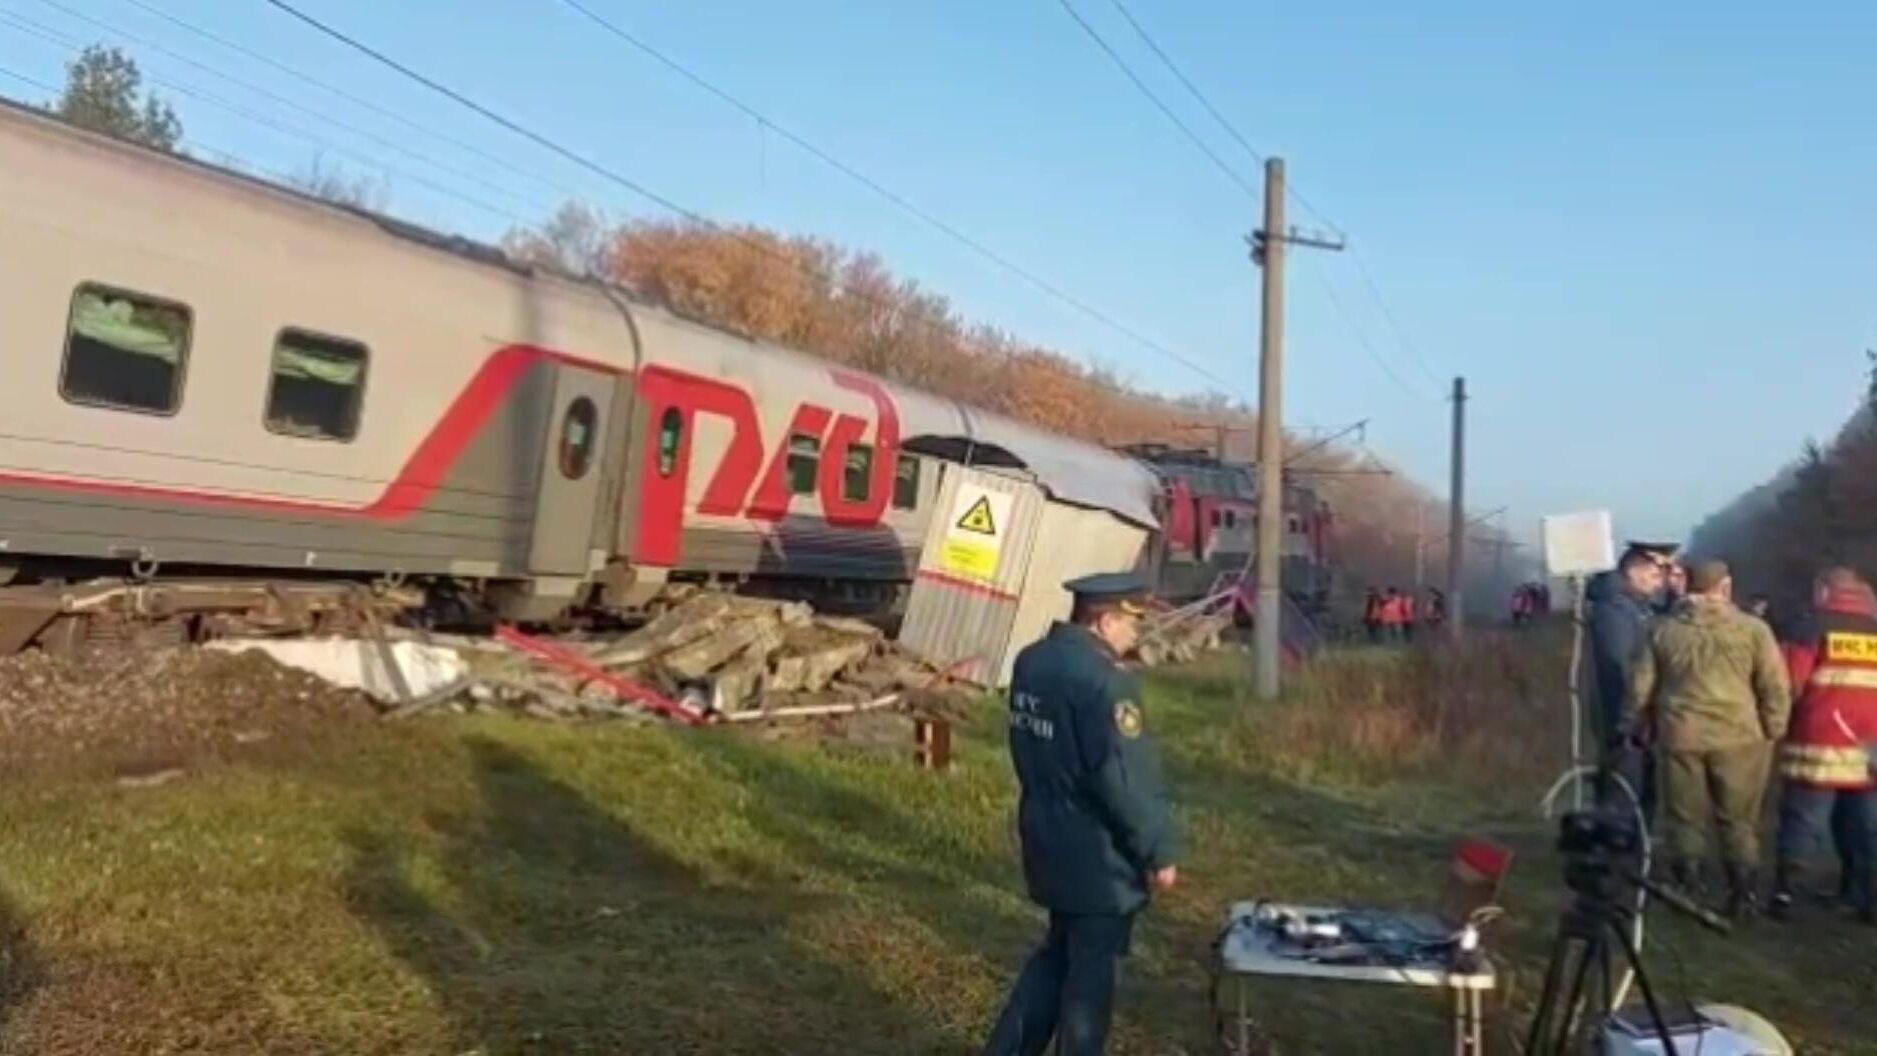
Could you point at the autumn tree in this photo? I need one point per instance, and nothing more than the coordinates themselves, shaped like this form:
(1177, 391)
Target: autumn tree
(577, 239)
(104, 93)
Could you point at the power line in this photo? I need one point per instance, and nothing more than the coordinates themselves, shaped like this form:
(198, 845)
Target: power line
(615, 177)
(1200, 97)
(58, 40)
(1401, 335)
(24, 79)
(1362, 338)
(1245, 144)
(1107, 49)
(923, 215)
(382, 111)
(192, 144)
(283, 101)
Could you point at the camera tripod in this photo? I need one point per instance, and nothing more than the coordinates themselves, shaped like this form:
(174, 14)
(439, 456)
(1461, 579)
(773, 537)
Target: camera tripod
(1592, 932)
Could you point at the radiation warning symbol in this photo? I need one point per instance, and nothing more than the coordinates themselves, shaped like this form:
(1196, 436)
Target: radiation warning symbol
(979, 518)
(974, 536)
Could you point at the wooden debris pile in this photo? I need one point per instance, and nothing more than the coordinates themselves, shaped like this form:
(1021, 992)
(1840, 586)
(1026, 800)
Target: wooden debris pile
(711, 657)
(1182, 635)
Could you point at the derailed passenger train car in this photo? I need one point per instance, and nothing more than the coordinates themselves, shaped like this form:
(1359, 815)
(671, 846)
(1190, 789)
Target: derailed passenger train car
(230, 402)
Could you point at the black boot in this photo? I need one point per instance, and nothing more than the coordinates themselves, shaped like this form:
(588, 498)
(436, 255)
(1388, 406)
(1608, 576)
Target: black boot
(1743, 891)
(1683, 876)
(1787, 877)
(1864, 895)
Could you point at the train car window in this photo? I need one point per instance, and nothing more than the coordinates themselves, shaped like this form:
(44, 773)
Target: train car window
(857, 475)
(125, 351)
(317, 386)
(670, 433)
(1218, 518)
(906, 483)
(804, 463)
(578, 429)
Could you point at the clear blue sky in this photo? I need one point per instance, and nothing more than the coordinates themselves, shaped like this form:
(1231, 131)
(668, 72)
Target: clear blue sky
(1644, 232)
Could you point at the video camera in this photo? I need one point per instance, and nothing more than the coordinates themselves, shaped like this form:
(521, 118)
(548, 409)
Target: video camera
(1602, 849)
(1599, 830)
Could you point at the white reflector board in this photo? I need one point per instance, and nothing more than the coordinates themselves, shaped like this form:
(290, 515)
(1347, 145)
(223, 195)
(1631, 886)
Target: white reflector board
(1578, 544)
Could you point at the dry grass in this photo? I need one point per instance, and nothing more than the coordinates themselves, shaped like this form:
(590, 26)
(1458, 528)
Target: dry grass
(500, 887)
(1491, 714)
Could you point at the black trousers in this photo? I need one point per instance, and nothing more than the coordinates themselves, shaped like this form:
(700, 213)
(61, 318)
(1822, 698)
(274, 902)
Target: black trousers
(1066, 988)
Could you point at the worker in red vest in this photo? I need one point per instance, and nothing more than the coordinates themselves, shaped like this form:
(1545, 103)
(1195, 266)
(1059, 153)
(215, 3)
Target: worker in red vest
(1394, 615)
(1826, 758)
(1372, 615)
(1410, 612)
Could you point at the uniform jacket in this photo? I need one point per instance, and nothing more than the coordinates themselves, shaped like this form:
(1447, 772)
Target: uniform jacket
(1619, 625)
(1709, 677)
(1832, 659)
(1092, 815)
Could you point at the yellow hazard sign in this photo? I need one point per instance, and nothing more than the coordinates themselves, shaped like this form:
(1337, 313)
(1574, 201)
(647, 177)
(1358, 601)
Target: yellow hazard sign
(979, 517)
(974, 536)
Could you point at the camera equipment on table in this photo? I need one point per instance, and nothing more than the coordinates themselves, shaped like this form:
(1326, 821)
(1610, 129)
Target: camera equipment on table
(1367, 937)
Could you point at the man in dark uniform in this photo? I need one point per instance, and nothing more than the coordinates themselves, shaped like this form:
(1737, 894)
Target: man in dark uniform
(1096, 835)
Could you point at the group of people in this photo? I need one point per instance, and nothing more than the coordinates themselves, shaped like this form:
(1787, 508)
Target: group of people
(1391, 616)
(1693, 693)
(1700, 704)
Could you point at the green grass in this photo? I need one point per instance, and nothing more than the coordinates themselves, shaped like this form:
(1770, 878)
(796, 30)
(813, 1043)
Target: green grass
(504, 887)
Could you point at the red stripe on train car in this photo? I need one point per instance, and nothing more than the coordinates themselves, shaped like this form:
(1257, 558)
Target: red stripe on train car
(966, 585)
(423, 473)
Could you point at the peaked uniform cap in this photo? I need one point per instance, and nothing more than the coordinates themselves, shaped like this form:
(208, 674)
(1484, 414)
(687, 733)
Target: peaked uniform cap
(1127, 590)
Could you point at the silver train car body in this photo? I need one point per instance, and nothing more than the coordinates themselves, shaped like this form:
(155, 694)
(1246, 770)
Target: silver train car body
(209, 375)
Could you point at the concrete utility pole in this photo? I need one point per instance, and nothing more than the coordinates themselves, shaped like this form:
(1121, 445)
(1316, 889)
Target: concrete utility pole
(1268, 250)
(1266, 641)
(1420, 547)
(1456, 534)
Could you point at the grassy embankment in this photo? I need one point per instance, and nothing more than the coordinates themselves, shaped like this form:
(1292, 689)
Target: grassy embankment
(503, 887)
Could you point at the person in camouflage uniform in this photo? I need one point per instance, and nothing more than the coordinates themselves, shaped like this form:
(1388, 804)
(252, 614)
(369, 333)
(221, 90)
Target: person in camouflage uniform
(1711, 681)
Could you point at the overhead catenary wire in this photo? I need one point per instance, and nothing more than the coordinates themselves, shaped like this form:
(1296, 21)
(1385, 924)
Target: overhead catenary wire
(1362, 339)
(1206, 103)
(1388, 315)
(27, 80)
(493, 158)
(1355, 252)
(282, 101)
(59, 40)
(619, 179)
(186, 142)
(952, 231)
(1167, 111)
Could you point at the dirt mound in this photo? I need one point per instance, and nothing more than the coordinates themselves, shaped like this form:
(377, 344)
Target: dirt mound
(137, 712)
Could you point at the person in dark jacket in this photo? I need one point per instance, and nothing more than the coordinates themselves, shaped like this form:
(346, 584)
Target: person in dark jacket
(1621, 604)
(1097, 840)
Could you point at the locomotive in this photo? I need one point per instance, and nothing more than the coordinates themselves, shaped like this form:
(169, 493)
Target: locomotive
(1208, 510)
